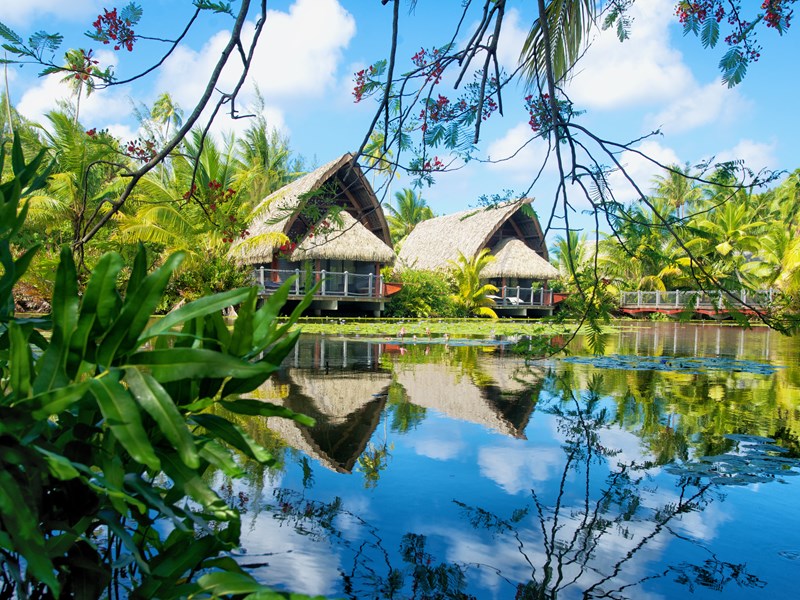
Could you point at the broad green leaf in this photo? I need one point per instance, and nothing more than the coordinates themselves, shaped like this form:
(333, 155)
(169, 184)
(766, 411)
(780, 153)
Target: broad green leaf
(168, 567)
(54, 401)
(158, 404)
(223, 583)
(196, 363)
(261, 408)
(112, 521)
(123, 417)
(188, 481)
(139, 305)
(154, 500)
(22, 527)
(138, 271)
(20, 362)
(233, 435)
(197, 308)
(52, 364)
(60, 466)
(220, 457)
(241, 341)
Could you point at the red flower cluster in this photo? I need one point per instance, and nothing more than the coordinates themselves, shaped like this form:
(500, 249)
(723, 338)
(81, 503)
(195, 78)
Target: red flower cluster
(91, 132)
(433, 164)
(110, 26)
(428, 61)
(362, 79)
(84, 66)
(285, 249)
(539, 111)
(190, 193)
(777, 15)
(143, 150)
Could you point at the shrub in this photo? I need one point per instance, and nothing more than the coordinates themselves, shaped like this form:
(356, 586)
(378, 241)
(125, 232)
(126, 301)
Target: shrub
(424, 294)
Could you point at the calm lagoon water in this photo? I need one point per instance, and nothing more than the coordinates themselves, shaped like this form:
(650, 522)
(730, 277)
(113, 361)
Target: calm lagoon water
(458, 471)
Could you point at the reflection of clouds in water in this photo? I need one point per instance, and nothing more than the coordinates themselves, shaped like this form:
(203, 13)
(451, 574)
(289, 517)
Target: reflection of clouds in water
(501, 560)
(514, 467)
(296, 562)
(443, 443)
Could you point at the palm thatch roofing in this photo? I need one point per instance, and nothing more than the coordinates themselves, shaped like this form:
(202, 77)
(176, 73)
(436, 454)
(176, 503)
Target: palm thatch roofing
(513, 258)
(346, 240)
(433, 244)
(339, 182)
(347, 408)
(455, 394)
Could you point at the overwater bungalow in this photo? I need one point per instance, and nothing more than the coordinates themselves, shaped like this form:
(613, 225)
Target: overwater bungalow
(327, 223)
(510, 231)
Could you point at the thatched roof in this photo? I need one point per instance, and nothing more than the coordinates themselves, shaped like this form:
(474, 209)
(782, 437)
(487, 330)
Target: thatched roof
(277, 215)
(513, 258)
(347, 407)
(434, 243)
(349, 240)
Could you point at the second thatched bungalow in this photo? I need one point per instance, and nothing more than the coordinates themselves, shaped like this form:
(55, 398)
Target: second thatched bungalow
(330, 224)
(510, 231)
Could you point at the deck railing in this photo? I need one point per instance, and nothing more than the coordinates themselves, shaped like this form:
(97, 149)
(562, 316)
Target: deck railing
(697, 299)
(522, 296)
(332, 283)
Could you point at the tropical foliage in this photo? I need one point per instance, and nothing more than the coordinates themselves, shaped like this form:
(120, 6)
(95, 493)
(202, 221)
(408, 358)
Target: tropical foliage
(109, 426)
(472, 296)
(411, 210)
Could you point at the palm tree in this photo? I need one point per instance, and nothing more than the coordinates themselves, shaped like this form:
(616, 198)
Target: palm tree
(471, 295)
(411, 210)
(677, 188)
(84, 177)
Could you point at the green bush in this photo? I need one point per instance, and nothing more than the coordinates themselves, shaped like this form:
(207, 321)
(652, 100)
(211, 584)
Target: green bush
(216, 274)
(424, 294)
(108, 428)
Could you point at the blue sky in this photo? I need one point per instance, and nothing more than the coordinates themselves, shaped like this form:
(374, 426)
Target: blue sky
(311, 48)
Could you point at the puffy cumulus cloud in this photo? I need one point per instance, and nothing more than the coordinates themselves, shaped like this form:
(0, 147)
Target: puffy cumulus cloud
(519, 156)
(699, 106)
(644, 69)
(101, 109)
(439, 449)
(512, 38)
(22, 13)
(640, 169)
(514, 468)
(297, 56)
(756, 155)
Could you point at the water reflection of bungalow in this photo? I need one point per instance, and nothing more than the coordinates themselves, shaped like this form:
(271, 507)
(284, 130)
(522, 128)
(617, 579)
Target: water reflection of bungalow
(510, 231)
(330, 222)
(500, 403)
(347, 406)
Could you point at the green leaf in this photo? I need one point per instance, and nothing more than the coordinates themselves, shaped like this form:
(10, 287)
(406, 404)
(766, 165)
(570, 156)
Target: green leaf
(196, 363)
(54, 401)
(260, 408)
(60, 466)
(22, 527)
(20, 362)
(188, 481)
(52, 365)
(233, 435)
(197, 308)
(223, 583)
(123, 417)
(220, 457)
(7, 33)
(124, 334)
(709, 35)
(158, 404)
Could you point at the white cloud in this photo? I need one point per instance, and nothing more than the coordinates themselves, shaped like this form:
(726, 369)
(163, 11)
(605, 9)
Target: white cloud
(297, 56)
(521, 158)
(699, 106)
(644, 69)
(640, 169)
(756, 155)
(21, 13)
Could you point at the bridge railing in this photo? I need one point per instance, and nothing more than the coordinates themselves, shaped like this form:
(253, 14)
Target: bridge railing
(698, 299)
(522, 296)
(332, 283)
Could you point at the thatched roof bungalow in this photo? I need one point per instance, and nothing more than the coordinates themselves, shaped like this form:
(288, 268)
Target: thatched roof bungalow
(510, 231)
(329, 220)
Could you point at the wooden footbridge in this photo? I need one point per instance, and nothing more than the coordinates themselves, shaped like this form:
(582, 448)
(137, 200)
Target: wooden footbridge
(716, 305)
